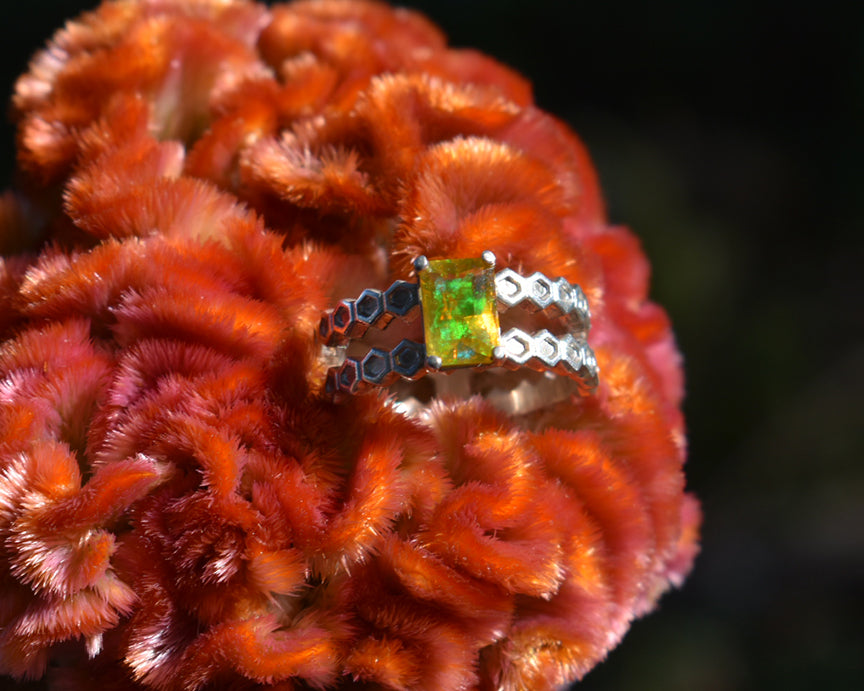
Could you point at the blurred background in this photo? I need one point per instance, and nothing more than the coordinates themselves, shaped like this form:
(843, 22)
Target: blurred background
(729, 136)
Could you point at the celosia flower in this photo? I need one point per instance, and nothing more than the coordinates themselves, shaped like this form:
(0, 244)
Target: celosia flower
(181, 505)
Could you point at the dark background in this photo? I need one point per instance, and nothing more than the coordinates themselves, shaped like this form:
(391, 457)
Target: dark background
(729, 136)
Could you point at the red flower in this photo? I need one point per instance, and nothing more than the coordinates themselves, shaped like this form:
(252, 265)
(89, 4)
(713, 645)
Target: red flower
(201, 178)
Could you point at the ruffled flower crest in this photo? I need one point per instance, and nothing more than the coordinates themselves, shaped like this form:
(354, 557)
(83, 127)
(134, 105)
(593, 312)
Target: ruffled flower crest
(181, 506)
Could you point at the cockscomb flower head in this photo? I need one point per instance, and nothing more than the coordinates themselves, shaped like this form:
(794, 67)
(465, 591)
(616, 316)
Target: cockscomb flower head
(182, 504)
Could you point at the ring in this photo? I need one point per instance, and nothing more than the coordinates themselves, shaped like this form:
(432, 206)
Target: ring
(462, 302)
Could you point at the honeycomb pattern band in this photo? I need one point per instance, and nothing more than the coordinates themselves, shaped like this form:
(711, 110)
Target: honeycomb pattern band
(350, 319)
(544, 352)
(536, 292)
(378, 368)
(567, 354)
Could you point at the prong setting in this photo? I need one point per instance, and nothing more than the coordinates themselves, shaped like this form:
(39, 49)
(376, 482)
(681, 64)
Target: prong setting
(421, 263)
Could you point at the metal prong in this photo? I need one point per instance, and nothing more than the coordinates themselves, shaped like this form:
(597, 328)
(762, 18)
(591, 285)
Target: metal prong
(489, 257)
(421, 263)
(434, 362)
(498, 353)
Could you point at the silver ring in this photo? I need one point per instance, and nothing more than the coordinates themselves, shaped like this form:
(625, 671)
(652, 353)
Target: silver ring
(461, 301)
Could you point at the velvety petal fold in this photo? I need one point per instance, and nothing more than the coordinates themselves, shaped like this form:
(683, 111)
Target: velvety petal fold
(182, 506)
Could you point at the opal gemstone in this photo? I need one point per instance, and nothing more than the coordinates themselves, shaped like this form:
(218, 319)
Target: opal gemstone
(460, 314)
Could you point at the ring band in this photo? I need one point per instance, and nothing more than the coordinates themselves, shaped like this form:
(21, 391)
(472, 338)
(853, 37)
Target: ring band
(460, 300)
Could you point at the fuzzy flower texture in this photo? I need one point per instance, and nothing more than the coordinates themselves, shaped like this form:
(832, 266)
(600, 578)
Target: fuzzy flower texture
(182, 506)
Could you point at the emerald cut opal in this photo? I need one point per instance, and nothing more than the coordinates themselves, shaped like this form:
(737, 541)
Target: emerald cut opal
(460, 316)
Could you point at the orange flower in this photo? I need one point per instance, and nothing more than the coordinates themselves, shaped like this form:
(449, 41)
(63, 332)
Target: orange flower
(181, 505)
